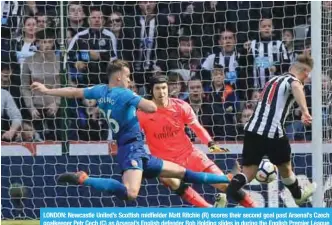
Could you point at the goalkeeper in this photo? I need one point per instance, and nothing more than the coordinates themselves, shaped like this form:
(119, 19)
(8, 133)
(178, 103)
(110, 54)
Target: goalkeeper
(167, 140)
(119, 105)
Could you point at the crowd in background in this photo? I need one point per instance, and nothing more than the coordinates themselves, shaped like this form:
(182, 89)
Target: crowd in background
(217, 56)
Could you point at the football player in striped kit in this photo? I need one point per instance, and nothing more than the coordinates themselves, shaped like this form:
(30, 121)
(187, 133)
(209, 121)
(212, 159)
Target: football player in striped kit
(264, 132)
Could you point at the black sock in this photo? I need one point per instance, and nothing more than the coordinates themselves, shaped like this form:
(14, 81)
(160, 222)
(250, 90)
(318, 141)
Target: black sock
(295, 189)
(234, 188)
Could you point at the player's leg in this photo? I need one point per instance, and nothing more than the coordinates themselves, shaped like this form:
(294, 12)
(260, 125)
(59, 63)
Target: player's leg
(132, 180)
(280, 155)
(172, 170)
(132, 177)
(155, 167)
(245, 201)
(198, 161)
(102, 184)
(185, 192)
(252, 154)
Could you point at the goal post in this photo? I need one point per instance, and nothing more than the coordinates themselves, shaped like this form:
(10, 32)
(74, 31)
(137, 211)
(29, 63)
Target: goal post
(316, 79)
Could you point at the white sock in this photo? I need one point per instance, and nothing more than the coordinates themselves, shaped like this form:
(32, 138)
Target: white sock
(289, 180)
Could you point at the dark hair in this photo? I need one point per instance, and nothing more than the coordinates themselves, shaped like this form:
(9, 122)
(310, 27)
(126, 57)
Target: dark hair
(6, 66)
(116, 66)
(95, 8)
(28, 17)
(265, 18)
(40, 14)
(174, 77)
(227, 28)
(158, 79)
(47, 33)
(195, 78)
(290, 31)
(184, 38)
(217, 66)
(74, 3)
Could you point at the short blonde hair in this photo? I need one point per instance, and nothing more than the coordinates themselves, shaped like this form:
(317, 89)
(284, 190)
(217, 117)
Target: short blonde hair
(306, 60)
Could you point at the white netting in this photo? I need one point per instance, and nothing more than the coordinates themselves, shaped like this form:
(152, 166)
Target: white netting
(327, 97)
(194, 43)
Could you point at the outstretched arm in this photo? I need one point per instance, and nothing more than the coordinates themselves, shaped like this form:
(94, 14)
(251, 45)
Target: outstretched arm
(200, 132)
(68, 92)
(205, 137)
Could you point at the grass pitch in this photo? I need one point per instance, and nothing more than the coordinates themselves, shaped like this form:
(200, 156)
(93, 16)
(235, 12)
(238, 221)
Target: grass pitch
(20, 222)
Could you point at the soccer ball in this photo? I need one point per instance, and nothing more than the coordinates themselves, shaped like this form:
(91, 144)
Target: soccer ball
(267, 172)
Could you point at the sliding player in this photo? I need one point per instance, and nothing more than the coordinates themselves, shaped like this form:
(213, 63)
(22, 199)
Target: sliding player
(167, 140)
(119, 105)
(264, 132)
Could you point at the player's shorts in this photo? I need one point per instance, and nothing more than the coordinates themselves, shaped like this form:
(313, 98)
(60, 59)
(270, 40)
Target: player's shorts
(256, 146)
(137, 159)
(196, 161)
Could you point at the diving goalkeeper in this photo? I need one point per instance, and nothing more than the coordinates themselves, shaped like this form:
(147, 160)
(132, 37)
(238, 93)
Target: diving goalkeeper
(167, 140)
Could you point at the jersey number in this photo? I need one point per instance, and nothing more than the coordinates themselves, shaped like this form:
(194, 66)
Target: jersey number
(111, 122)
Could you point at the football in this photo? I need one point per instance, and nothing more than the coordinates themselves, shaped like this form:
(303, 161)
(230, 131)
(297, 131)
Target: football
(267, 172)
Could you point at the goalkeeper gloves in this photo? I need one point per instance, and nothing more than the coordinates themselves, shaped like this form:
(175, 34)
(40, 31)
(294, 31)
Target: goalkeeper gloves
(213, 148)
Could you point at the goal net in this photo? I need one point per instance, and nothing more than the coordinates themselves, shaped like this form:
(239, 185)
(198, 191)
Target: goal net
(327, 97)
(217, 56)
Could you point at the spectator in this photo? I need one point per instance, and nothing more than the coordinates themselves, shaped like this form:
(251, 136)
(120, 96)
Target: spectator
(28, 134)
(42, 21)
(9, 110)
(244, 118)
(186, 57)
(329, 45)
(26, 45)
(190, 19)
(125, 44)
(11, 82)
(76, 17)
(212, 16)
(243, 14)
(307, 47)
(49, 8)
(210, 115)
(226, 55)
(11, 12)
(90, 51)
(288, 40)
(252, 103)
(268, 57)
(223, 95)
(176, 86)
(43, 67)
(132, 86)
(88, 125)
(327, 106)
(70, 33)
(151, 42)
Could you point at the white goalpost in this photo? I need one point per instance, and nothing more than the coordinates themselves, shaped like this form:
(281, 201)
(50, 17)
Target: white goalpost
(316, 78)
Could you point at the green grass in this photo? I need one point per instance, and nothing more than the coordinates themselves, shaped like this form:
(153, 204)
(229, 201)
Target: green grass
(20, 222)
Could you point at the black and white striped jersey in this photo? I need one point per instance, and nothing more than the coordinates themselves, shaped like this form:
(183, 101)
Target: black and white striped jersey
(267, 54)
(228, 62)
(273, 107)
